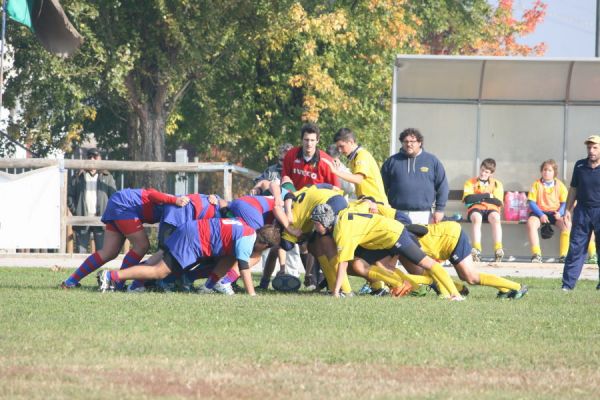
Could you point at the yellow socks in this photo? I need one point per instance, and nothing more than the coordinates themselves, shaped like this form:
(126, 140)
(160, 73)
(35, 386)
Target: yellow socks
(378, 273)
(327, 271)
(376, 285)
(441, 276)
(497, 282)
(415, 280)
(497, 246)
(536, 250)
(329, 268)
(477, 245)
(563, 248)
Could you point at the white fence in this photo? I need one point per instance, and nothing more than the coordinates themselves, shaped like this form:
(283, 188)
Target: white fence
(26, 212)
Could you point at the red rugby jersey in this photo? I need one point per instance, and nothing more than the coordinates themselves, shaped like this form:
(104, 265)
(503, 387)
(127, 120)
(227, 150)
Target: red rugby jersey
(303, 173)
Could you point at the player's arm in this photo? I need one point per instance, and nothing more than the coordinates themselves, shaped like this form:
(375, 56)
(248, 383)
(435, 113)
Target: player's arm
(157, 197)
(261, 186)
(246, 274)
(282, 256)
(571, 196)
(347, 176)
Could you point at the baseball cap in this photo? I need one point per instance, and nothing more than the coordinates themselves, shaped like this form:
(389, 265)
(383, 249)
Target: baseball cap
(593, 139)
(92, 152)
(323, 213)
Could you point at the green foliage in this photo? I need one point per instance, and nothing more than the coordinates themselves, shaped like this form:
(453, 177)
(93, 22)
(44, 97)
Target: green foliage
(233, 79)
(81, 343)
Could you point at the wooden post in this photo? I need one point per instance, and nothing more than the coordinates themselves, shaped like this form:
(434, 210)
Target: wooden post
(227, 184)
(63, 211)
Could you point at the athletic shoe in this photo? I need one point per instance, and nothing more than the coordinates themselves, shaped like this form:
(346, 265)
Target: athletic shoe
(503, 295)
(365, 289)
(401, 291)
(286, 283)
(187, 285)
(263, 285)
(384, 291)
(562, 259)
(202, 289)
(166, 286)
(598, 286)
(66, 285)
(566, 289)
(433, 286)
(224, 288)
(310, 287)
(476, 254)
(464, 292)
(322, 285)
(236, 288)
(136, 289)
(105, 282)
(499, 255)
(517, 294)
(455, 297)
(592, 260)
(536, 258)
(420, 291)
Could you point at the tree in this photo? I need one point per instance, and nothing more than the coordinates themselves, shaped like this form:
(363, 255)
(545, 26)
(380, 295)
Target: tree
(239, 76)
(138, 61)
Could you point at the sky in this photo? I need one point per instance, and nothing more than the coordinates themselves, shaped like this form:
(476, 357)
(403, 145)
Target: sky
(568, 28)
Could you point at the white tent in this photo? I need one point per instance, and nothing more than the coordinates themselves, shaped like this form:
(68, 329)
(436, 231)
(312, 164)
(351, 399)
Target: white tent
(519, 111)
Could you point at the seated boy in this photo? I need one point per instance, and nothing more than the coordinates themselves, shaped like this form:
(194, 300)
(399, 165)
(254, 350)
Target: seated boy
(483, 196)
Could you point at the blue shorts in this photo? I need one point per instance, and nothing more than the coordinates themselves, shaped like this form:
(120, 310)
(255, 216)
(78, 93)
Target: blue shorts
(371, 256)
(407, 247)
(462, 249)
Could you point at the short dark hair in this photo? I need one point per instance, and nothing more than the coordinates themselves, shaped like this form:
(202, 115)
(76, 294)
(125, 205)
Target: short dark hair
(268, 235)
(92, 152)
(333, 151)
(310, 128)
(411, 132)
(489, 164)
(344, 134)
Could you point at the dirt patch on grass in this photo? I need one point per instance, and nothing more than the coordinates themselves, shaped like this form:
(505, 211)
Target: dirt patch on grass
(212, 379)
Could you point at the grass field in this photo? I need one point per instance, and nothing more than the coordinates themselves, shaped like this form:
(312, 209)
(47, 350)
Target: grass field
(89, 345)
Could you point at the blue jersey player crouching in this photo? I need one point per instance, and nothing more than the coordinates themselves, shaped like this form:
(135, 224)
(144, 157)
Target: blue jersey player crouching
(231, 240)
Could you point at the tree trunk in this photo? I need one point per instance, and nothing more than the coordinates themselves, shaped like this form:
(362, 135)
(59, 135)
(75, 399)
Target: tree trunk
(146, 127)
(146, 134)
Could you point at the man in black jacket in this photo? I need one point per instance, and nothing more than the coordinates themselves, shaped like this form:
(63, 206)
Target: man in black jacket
(87, 196)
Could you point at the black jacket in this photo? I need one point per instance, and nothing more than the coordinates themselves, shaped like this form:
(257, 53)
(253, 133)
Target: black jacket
(76, 193)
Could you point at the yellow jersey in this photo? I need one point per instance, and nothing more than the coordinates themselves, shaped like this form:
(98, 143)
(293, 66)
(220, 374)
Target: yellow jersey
(441, 240)
(371, 231)
(303, 203)
(548, 199)
(362, 162)
(363, 206)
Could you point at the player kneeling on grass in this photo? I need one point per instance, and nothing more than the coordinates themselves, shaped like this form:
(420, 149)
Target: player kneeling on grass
(230, 239)
(374, 232)
(126, 212)
(447, 241)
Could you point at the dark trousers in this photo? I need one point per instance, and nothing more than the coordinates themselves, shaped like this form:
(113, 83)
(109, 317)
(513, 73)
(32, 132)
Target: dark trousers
(584, 222)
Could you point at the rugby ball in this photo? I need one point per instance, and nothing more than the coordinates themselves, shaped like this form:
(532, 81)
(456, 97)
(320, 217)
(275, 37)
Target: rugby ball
(286, 283)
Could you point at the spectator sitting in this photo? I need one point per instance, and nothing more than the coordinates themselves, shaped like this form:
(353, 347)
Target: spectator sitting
(483, 196)
(547, 200)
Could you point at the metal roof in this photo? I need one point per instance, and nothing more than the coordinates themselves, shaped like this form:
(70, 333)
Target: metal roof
(497, 79)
